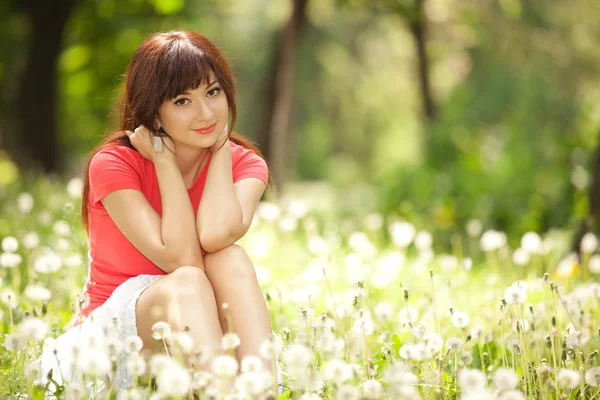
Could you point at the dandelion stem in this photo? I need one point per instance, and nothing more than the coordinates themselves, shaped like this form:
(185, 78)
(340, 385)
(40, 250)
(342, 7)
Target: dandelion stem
(437, 321)
(330, 294)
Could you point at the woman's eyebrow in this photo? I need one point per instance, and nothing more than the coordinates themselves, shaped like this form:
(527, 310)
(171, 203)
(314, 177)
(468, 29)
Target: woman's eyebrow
(209, 85)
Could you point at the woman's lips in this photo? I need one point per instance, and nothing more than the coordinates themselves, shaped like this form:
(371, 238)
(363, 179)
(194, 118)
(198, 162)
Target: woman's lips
(207, 130)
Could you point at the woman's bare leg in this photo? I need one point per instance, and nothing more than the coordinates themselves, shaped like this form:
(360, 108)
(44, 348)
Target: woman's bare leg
(183, 298)
(233, 278)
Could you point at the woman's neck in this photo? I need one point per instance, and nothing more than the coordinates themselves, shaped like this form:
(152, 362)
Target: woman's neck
(191, 162)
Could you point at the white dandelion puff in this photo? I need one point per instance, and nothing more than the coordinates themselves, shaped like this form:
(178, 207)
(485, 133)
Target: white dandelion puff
(10, 244)
(372, 389)
(224, 366)
(460, 319)
(589, 243)
(32, 328)
(252, 364)
(592, 376)
(31, 240)
(569, 378)
(505, 379)
(230, 341)
(174, 381)
(25, 203)
(531, 243)
(471, 379)
(515, 295)
(408, 315)
(161, 330)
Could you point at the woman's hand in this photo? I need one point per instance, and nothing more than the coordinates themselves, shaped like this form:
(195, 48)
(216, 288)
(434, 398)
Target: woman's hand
(221, 140)
(144, 142)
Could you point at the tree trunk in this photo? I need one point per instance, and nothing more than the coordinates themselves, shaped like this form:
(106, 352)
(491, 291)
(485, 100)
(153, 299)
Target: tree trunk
(418, 28)
(590, 223)
(281, 94)
(37, 142)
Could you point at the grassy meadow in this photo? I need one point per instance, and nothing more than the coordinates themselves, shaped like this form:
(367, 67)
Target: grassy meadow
(363, 307)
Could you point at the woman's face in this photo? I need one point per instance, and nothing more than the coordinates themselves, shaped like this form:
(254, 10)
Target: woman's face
(186, 117)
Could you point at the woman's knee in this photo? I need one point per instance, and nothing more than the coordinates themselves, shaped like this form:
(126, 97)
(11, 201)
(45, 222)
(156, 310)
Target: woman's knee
(232, 261)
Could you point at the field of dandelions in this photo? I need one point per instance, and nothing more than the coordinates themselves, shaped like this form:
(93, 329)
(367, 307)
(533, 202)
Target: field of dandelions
(362, 308)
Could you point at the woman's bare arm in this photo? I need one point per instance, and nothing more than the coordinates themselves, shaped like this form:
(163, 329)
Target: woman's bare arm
(226, 209)
(170, 241)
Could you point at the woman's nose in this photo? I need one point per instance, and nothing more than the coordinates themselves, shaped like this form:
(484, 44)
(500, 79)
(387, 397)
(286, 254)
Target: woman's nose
(205, 113)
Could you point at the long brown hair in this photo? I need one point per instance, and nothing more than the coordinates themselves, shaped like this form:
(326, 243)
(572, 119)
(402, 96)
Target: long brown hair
(164, 66)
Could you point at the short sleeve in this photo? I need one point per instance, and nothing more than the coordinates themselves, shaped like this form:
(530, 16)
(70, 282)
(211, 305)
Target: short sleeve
(247, 164)
(112, 169)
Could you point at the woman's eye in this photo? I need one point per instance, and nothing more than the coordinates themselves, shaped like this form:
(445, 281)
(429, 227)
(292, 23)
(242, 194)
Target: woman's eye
(214, 92)
(180, 102)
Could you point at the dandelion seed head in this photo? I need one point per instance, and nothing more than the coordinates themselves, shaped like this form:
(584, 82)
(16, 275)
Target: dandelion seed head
(476, 331)
(471, 379)
(10, 244)
(569, 378)
(520, 257)
(61, 228)
(505, 379)
(297, 356)
(515, 295)
(347, 392)
(253, 383)
(271, 347)
(251, 364)
(31, 240)
(133, 344)
(224, 366)
(32, 328)
(589, 243)
(136, 365)
(230, 341)
(73, 261)
(592, 376)
(10, 260)
(161, 330)
(25, 203)
(408, 315)
(474, 228)
(338, 371)
(402, 234)
(75, 187)
(460, 319)
(47, 263)
(174, 381)
(37, 293)
(14, 342)
(372, 389)
(423, 240)
(594, 264)
(159, 362)
(434, 342)
(492, 240)
(453, 344)
(317, 245)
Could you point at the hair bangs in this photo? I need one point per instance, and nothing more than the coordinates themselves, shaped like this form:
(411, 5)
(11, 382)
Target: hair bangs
(184, 68)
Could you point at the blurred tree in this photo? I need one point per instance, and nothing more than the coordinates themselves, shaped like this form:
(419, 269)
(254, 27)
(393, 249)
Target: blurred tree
(412, 12)
(36, 138)
(274, 137)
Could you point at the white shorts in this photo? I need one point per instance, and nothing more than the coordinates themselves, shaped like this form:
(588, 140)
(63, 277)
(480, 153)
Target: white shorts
(116, 317)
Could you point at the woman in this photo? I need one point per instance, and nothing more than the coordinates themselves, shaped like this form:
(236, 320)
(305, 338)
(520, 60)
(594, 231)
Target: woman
(164, 201)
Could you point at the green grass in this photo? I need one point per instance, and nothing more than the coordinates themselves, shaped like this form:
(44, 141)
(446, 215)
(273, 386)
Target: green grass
(357, 316)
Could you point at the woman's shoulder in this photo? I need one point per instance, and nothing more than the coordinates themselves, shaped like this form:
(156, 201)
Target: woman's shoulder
(118, 152)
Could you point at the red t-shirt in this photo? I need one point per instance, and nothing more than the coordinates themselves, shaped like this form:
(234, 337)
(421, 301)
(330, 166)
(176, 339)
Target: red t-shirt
(113, 259)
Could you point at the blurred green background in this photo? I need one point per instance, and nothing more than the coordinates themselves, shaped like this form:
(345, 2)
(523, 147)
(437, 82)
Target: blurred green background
(438, 111)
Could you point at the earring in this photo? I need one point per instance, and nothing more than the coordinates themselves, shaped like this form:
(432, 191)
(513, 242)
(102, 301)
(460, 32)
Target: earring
(157, 144)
